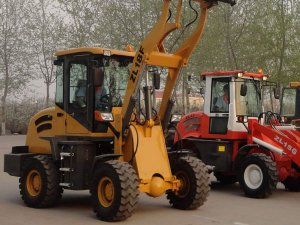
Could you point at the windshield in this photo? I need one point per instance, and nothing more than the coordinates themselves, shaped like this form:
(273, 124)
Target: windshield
(288, 102)
(249, 105)
(111, 91)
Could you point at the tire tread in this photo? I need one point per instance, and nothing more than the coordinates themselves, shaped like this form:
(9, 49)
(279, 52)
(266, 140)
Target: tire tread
(53, 191)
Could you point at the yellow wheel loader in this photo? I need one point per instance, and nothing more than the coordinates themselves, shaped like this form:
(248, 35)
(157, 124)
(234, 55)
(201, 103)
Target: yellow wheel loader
(105, 134)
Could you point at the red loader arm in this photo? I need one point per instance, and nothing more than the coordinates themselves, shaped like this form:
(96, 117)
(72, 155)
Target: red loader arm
(283, 140)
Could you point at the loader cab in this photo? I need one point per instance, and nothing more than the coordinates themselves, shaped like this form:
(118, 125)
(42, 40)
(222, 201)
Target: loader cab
(216, 134)
(231, 94)
(89, 80)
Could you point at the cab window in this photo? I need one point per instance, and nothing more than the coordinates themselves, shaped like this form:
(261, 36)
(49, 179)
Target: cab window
(220, 95)
(288, 102)
(59, 97)
(78, 85)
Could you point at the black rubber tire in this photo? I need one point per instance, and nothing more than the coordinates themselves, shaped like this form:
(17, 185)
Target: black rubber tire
(126, 194)
(50, 192)
(195, 174)
(225, 179)
(292, 184)
(269, 173)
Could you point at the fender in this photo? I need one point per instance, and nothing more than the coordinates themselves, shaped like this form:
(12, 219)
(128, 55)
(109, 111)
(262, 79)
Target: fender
(243, 152)
(103, 158)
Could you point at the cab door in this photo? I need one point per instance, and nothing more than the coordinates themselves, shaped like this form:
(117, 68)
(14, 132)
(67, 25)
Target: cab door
(77, 94)
(219, 106)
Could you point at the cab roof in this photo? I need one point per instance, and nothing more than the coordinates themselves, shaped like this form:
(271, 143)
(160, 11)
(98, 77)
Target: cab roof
(94, 50)
(294, 84)
(235, 73)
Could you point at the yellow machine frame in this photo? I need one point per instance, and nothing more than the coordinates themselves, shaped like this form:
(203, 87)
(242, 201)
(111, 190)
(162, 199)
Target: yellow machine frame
(151, 158)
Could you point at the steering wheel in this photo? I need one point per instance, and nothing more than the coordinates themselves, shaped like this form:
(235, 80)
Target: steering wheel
(103, 104)
(104, 99)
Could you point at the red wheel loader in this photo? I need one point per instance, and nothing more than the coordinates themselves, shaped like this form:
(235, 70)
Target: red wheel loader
(235, 137)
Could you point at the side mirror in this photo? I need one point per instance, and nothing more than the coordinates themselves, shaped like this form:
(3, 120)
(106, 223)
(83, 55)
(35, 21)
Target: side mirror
(106, 61)
(276, 92)
(243, 91)
(58, 62)
(95, 63)
(98, 76)
(156, 81)
(242, 119)
(202, 91)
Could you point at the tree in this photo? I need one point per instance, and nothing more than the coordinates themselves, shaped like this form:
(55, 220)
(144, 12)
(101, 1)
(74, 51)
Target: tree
(129, 22)
(47, 32)
(13, 51)
(81, 18)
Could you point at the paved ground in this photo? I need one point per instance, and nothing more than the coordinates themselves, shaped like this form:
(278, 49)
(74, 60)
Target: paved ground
(225, 206)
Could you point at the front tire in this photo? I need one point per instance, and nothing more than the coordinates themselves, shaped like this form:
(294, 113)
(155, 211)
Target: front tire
(114, 190)
(195, 183)
(39, 182)
(258, 175)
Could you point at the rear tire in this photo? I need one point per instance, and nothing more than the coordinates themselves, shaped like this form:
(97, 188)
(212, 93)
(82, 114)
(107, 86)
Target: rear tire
(258, 175)
(292, 184)
(114, 190)
(39, 182)
(195, 181)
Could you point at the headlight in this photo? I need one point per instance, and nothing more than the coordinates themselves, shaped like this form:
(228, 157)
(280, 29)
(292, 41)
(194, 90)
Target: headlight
(107, 117)
(176, 118)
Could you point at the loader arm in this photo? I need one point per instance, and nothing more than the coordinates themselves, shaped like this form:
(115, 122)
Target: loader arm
(152, 52)
(151, 161)
(284, 141)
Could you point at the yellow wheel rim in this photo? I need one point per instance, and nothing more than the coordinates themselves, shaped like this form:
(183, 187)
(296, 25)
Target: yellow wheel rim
(184, 184)
(106, 192)
(34, 183)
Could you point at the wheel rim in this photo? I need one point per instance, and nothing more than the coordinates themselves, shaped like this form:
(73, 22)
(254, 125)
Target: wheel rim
(185, 184)
(33, 183)
(106, 192)
(253, 176)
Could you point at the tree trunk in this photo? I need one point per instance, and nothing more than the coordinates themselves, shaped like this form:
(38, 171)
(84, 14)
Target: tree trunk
(3, 99)
(47, 95)
(187, 99)
(230, 49)
(176, 101)
(283, 45)
(182, 95)
(3, 115)
(3, 128)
